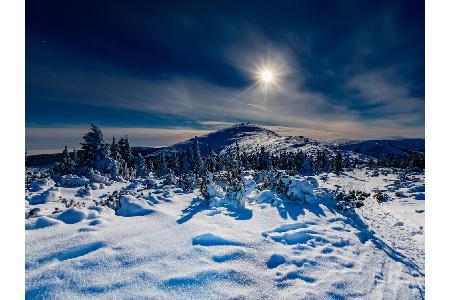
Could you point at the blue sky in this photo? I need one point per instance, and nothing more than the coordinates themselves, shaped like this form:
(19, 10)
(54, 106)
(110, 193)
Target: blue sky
(163, 72)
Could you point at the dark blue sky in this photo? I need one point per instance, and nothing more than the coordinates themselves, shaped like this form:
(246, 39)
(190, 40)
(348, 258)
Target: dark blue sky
(164, 70)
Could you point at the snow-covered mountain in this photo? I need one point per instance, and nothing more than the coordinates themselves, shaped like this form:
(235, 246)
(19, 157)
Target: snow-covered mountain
(385, 147)
(251, 138)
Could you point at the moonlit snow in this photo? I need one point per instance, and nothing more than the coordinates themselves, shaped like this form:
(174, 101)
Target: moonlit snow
(167, 244)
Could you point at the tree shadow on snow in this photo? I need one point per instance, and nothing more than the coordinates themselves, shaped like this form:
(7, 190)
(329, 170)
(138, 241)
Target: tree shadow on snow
(199, 204)
(238, 213)
(293, 209)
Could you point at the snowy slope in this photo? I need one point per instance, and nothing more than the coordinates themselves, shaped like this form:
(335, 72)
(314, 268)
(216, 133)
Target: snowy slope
(251, 137)
(182, 249)
(383, 148)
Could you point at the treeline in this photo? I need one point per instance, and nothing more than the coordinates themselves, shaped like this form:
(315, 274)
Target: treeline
(117, 161)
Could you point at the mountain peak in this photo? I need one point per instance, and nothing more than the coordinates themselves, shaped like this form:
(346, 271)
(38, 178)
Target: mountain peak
(244, 124)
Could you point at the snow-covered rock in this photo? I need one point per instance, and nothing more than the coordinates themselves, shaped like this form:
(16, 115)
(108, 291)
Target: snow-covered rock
(131, 206)
(41, 184)
(50, 195)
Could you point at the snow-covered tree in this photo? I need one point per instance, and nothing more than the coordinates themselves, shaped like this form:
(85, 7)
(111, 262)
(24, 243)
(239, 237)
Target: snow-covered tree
(66, 165)
(237, 188)
(264, 160)
(208, 188)
(161, 167)
(211, 161)
(114, 148)
(125, 150)
(337, 163)
(198, 165)
(141, 166)
(186, 159)
(105, 163)
(93, 142)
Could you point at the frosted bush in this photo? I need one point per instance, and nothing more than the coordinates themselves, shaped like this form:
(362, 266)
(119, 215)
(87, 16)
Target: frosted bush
(84, 192)
(300, 189)
(267, 196)
(209, 188)
(71, 181)
(96, 176)
(41, 184)
(237, 195)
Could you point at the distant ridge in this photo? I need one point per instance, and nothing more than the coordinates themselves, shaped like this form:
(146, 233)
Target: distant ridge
(251, 137)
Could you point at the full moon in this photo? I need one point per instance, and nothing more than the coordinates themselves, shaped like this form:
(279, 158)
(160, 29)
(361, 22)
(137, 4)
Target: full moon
(266, 76)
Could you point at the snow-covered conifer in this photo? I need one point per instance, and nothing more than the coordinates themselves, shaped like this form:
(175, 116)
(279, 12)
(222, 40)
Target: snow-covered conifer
(93, 142)
(198, 165)
(66, 165)
(141, 166)
(161, 168)
(114, 148)
(337, 163)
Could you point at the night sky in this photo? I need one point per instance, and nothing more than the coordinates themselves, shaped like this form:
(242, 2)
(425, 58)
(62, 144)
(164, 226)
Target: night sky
(165, 71)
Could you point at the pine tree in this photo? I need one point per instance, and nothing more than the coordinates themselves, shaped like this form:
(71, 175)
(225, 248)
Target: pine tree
(141, 167)
(321, 162)
(162, 169)
(76, 158)
(198, 165)
(211, 161)
(66, 165)
(93, 142)
(337, 163)
(114, 148)
(264, 160)
(125, 150)
(185, 161)
(173, 163)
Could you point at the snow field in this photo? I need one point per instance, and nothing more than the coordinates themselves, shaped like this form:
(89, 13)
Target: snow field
(184, 249)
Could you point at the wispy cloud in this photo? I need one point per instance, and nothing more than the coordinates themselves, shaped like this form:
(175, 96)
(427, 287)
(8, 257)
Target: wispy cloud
(382, 89)
(47, 140)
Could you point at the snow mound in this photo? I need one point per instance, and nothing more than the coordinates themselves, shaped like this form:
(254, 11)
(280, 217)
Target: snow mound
(44, 197)
(266, 196)
(209, 239)
(132, 206)
(96, 176)
(71, 181)
(84, 192)
(301, 189)
(41, 184)
(72, 215)
(41, 222)
(102, 210)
